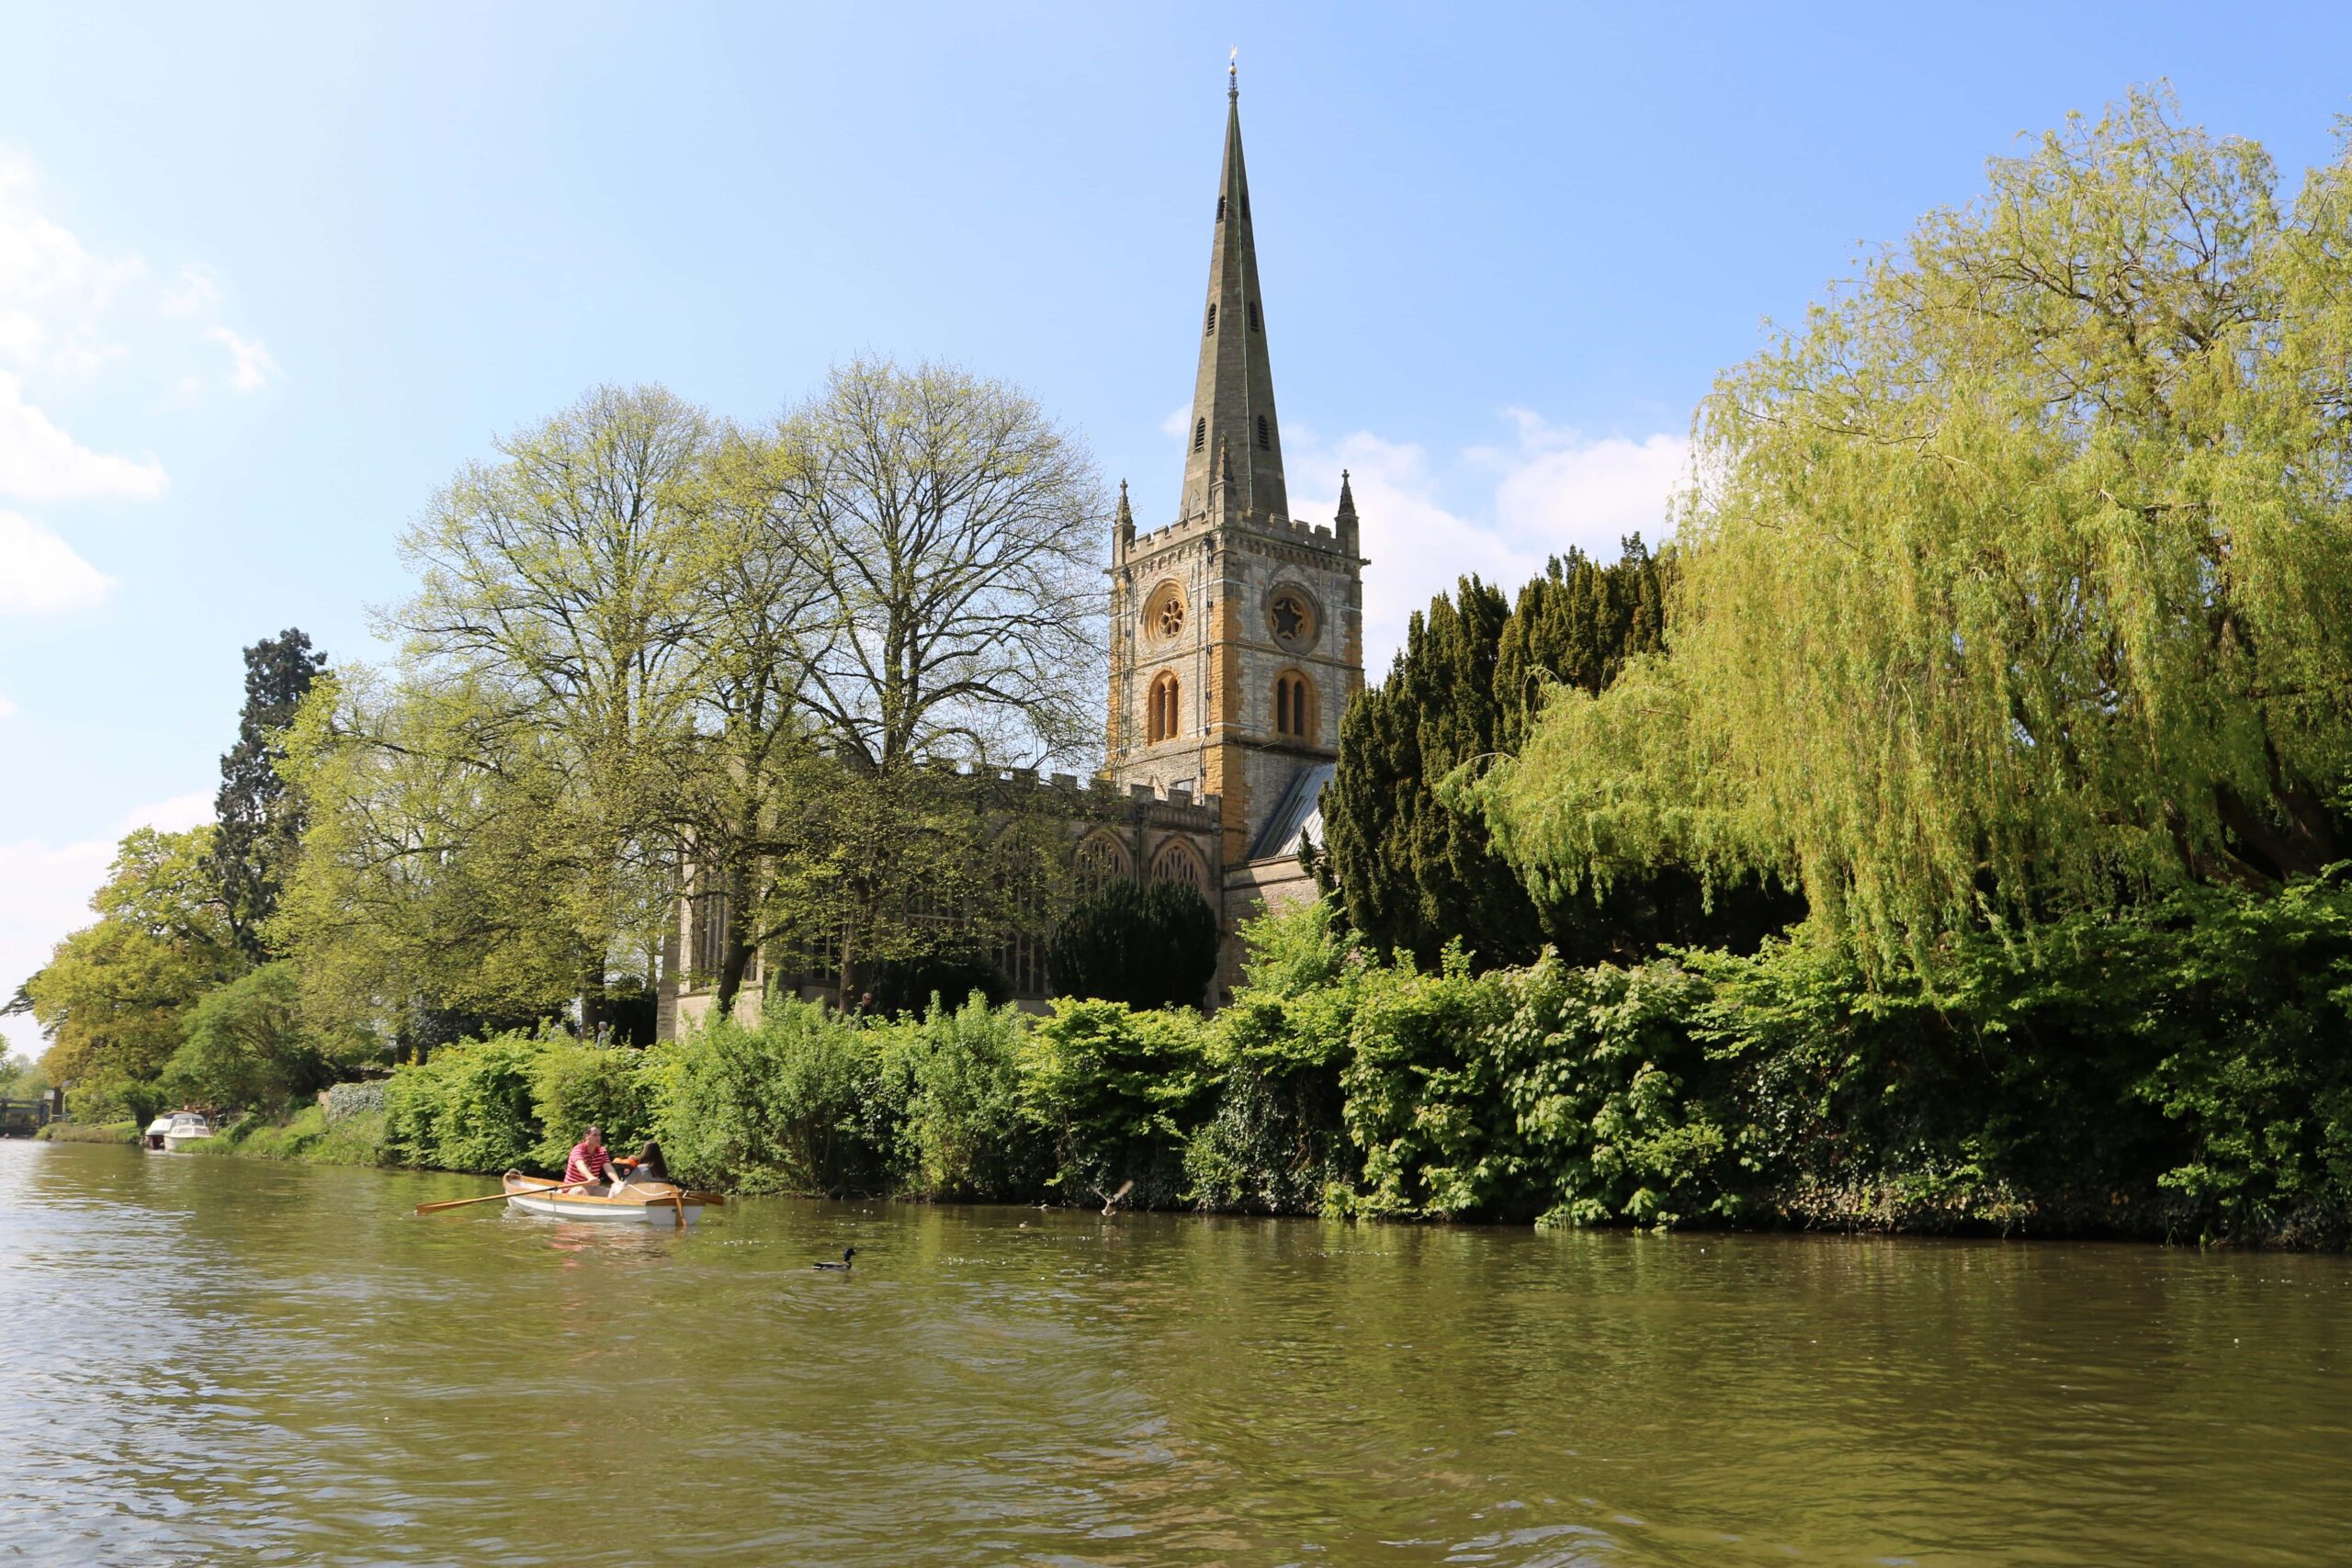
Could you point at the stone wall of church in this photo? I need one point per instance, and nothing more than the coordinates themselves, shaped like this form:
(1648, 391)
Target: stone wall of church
(1111, 829)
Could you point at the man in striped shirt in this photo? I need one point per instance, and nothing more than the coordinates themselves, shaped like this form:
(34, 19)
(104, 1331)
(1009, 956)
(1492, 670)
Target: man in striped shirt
(589, 1161)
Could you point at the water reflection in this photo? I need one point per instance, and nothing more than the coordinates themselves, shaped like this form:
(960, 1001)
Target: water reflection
(217, 1359)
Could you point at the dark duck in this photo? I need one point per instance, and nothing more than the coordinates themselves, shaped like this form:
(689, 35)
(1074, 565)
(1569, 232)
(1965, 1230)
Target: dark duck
(843, 1267)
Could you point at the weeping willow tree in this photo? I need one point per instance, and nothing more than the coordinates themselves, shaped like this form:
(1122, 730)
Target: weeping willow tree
(2018, 581)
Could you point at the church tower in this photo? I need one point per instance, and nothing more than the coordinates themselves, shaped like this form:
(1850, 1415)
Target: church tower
(1237, 631)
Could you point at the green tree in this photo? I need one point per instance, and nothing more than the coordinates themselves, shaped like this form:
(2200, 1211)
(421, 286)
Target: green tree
(258, 825)
(1414, 873)
(1410, 854)
(2017, 580)
(246, 1047)
(1147, 947)
(420, 910)
(115, 995)
(559, 588)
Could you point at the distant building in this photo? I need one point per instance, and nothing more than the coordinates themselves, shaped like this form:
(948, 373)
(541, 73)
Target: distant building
(1236, 639)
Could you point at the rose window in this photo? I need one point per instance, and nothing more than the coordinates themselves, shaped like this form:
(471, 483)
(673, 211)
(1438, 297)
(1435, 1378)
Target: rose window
(1292, 619)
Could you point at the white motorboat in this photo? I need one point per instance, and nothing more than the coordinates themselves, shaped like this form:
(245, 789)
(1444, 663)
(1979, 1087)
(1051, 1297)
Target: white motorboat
(638, 1203)
(175, 1130)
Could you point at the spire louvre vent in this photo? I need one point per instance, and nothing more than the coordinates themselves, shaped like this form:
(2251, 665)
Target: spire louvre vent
(1200, 435)
(1265, 438)
(1212, 326)
(1255, 324)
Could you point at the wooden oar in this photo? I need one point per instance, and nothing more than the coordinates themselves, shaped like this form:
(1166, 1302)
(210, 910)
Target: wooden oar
(534, 1192)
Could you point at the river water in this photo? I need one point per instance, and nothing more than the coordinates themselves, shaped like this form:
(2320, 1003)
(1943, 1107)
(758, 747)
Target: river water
(228, 1360)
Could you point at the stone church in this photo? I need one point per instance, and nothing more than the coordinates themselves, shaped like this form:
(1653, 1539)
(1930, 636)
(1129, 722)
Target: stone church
(1236, 639)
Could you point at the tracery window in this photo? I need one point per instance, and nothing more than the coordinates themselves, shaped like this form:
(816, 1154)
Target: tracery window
(1291, 617)
(1164, 612)
(1177, 860)
(1101, 860)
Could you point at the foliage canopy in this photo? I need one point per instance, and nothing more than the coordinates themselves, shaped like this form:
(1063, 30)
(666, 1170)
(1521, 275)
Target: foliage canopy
(2019, 579)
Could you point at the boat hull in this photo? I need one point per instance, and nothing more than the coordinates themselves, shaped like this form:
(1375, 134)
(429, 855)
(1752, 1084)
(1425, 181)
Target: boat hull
(175, 1142)
(632, 1207)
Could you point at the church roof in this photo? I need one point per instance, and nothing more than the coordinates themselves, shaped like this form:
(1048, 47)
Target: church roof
(1299, 812)
(1235, 436)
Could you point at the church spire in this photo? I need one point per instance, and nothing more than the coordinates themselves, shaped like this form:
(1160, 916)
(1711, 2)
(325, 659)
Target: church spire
(1234, 423)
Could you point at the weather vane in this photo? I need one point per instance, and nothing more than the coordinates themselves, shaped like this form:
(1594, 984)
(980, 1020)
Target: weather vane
(1233, 69)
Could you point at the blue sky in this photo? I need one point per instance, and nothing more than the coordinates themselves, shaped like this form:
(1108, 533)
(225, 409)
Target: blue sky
(269, 274)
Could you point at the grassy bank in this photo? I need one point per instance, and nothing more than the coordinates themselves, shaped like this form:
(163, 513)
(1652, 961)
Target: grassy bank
(90, 1132)
(310, 1134)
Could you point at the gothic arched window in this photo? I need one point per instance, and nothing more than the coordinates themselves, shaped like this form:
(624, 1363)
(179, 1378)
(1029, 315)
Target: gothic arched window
(1101, 860)
(1293, 704)
(1177, 860)
(1161, 717)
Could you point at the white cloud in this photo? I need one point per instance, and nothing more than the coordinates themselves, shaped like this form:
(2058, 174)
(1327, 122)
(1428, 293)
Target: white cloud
(39, 572)
(7, 708)
(1546, 490)
(253, 366)
(172, 815)
(40, 462)
(1177, 422)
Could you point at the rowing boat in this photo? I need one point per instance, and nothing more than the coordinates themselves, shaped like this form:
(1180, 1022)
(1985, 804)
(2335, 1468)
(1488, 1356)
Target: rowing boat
(638, 1203)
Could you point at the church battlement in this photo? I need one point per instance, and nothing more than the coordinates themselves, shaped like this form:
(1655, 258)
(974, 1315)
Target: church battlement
(1318, 536)
(1173, 806)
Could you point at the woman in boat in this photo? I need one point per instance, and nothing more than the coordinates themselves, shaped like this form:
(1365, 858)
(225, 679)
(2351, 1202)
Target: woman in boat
(650, 1166)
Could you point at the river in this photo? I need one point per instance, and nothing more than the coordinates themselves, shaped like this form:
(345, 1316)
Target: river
(229, 1360)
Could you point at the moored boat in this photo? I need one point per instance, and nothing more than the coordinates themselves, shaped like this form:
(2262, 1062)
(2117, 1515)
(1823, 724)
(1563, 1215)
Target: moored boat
(175, 1130)
(638, 1203)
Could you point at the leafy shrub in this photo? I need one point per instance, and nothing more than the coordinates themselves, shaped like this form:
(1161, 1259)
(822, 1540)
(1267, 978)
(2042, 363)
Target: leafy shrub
(575, 1086)
(346, 1101)
(469, 1107)
(955, 1083)
(1424, 1102)
(1147, 947)
(2251, 1013)
(1119, 1091)
(792, 1105)
(1276, 1142)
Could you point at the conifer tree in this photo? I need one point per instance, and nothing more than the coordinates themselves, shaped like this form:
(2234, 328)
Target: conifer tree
(1416, 872)
(259, 823)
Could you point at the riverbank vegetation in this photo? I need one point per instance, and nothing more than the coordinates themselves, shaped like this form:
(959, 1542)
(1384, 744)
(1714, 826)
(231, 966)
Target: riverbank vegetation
(1949, 831)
